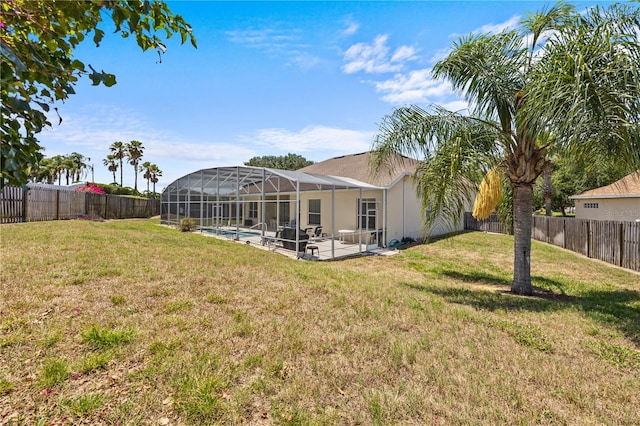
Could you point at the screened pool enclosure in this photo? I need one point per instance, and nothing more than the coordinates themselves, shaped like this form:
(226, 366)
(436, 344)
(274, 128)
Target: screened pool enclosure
(306, 215)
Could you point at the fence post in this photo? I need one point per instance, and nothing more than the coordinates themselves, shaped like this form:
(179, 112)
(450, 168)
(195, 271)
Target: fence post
(621, 236)
(25, 203)
(57, 204)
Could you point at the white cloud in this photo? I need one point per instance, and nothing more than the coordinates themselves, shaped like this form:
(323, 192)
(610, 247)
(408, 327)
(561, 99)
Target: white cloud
(351, 27)
(414, 87)
(439, 55)
(313, 139)
(274, 42)
(375, 57)
(509, 24)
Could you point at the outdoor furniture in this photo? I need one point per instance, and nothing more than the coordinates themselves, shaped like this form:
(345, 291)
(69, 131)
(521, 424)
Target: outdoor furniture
(288, 238)
(313, 249)
(345, 232)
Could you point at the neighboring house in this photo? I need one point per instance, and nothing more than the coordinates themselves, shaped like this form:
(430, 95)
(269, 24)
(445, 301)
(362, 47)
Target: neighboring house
(339, 194)
(618, 201)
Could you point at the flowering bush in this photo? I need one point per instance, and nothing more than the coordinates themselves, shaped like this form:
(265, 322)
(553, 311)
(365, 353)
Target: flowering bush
(90, 187)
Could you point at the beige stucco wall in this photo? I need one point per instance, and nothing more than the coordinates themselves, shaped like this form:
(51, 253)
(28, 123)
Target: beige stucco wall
(621, 209)
(403, 214)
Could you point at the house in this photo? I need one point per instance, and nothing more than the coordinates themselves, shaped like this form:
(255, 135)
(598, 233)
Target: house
(340, 195)
(619, 201)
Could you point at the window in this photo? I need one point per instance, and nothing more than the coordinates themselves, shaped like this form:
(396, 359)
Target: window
(367, 213)
(253, 210)
(590, 205)
(314, 212)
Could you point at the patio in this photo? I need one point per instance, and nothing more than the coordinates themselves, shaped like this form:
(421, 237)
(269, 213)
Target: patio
(324, 248)
(251, 204)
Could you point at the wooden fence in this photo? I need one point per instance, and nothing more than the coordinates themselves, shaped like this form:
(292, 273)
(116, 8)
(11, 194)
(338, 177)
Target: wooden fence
(613, 242)
(41, 204)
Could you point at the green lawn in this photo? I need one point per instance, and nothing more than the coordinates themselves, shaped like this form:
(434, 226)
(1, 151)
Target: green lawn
(129, 322)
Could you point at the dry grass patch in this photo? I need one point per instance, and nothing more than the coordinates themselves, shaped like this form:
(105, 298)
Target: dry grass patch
(127, 322)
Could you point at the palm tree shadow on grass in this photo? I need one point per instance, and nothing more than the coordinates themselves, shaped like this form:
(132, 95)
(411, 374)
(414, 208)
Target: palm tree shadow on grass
(612, 308)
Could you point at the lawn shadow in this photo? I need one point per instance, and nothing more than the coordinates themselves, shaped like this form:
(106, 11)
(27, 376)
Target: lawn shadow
(613, 308)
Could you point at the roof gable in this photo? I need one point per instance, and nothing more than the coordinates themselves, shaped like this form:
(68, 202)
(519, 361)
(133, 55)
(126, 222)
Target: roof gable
(628, 186)
(356, 166)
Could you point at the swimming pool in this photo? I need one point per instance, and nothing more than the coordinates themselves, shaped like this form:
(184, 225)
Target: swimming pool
(232, 233)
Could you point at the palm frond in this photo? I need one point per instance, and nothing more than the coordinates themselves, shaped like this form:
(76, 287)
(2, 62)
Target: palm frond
(487, 70)
(455, 153)
(586, 87)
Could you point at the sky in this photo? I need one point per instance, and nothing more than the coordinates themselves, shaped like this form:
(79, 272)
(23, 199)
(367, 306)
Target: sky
(268, 78)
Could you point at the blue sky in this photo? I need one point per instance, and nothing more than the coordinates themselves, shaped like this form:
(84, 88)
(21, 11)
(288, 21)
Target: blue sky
(310, 78)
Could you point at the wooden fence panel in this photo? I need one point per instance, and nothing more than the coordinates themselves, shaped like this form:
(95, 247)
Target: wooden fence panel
(492, 224)
(577, 236)
(556, 229)
(42, 204)
(71, 204)
(605, 242)
(631, 245)
(11, 205)
(96, 204)
(540, 228)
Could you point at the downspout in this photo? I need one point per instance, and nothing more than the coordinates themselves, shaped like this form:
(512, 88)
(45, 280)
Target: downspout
(333, 221)
(359, 208)
(238, 202)
(297, 218)
(384, 218)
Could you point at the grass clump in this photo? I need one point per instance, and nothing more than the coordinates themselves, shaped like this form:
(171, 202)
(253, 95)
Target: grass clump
(84, 405)
(178, 305)
(117, 299)
(104, 338)
(6, 386)
(619, 356)
(54, 371)
(94, 361)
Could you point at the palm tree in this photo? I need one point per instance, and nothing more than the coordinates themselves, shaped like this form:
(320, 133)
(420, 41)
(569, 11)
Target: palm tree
(155, 174)
(46, 171)
(110, 161)
(133, 152)
(118, 150)
(79, 165)
(566, 82)
(146, 168)
(57, 166)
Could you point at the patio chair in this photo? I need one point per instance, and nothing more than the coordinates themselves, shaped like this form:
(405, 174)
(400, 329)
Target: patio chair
(316, 235)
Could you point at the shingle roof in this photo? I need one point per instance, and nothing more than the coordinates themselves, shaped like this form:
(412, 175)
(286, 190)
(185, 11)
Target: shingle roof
(356, 166)
(628, 186)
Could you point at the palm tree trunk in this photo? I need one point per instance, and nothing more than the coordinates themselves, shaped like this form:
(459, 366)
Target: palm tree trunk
(121, 173)
(522, 223)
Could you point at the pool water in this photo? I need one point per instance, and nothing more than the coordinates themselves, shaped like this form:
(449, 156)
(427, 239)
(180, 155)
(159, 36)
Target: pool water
(232, 234)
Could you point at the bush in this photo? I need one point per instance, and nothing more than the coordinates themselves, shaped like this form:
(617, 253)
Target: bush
(115, 189)
(187, 224)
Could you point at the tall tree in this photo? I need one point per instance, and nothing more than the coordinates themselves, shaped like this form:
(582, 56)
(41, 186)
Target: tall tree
(111, 162)
(133, 151)
(146, 173)
(119, 152)
(38, 67)
(58, 166)
(564, 81)
(80, 165)
(155, 174)
(282, 162)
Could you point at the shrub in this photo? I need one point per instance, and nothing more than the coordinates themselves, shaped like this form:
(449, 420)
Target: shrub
(187, 224)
